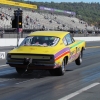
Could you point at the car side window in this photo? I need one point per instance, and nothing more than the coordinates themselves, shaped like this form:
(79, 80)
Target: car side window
(65, 41)
(69, 39)
(28, 40)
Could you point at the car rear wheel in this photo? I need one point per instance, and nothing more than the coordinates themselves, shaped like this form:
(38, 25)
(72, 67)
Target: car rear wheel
(58, 71)
(78, 61)
(61, 70)
(22, 70)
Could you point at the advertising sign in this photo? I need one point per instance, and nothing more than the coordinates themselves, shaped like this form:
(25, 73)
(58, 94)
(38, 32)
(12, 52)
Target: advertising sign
(57, 10)
(2, 55)
(12, 3)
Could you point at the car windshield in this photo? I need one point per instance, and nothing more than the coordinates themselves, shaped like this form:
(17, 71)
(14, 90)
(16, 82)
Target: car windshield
(40, 41)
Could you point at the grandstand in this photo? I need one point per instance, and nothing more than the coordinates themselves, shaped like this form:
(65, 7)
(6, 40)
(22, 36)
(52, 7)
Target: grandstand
(42, 19)
(36, 19)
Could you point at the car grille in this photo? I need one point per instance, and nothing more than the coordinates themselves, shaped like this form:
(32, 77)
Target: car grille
(36, 58)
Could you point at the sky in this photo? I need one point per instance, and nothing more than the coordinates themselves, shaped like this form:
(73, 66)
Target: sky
(58, 1)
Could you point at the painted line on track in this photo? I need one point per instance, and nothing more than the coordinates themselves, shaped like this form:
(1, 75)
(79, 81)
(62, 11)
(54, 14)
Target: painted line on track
(93, 47)
(79, 91)
(24, 81)
(5, 80)
(3, 65)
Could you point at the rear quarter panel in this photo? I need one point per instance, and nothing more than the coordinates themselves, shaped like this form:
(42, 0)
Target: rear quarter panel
(61, 53)
(79, 44)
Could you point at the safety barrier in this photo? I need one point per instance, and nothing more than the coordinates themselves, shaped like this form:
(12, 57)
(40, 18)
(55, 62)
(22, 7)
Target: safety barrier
(13, 41)
(9, 41)
(87, 38)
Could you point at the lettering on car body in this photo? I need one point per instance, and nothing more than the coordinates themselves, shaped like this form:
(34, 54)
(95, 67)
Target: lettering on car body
(77, 49)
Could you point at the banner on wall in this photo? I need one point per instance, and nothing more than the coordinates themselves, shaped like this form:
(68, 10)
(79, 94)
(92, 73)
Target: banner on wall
(12, 3)
(57, 10)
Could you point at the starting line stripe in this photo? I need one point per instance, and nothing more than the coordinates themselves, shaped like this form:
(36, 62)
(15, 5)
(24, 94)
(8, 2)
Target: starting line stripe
(78, 92)
(3, 65)
(93, 47)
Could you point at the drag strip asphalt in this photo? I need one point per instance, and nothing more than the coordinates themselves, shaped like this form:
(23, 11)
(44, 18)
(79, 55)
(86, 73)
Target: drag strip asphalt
(79, 82)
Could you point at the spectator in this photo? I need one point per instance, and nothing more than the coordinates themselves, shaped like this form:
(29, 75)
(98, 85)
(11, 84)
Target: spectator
(58, 28)
(85, 33)
(6, 18)
(19, 32)
(32, 10)
(93, 32)
(2, 33)
(43, 27)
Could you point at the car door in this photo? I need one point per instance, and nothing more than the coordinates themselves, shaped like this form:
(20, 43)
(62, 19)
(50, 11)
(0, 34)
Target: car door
(71, 44)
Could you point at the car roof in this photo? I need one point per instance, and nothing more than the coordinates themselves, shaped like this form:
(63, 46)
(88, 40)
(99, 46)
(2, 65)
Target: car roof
(49, 33)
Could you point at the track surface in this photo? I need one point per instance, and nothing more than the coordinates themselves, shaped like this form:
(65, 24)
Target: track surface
(78, 83)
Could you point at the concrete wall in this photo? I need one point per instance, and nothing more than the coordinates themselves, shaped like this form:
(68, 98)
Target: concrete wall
(13, 41)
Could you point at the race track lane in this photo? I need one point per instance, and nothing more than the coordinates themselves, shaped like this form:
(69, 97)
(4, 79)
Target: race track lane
(40, 85)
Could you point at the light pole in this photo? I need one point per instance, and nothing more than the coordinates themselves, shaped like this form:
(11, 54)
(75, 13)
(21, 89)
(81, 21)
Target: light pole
(17, 22)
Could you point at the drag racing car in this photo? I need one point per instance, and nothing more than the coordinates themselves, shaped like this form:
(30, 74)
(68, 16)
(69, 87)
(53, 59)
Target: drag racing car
(47, 50)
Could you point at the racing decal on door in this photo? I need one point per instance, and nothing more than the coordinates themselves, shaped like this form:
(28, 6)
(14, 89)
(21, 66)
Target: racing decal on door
(78, 49)
(61, 53)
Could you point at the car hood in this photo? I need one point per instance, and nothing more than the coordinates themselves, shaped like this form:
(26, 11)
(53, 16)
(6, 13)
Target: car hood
(34, 50)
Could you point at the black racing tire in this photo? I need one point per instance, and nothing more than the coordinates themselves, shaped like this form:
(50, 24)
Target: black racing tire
(78, 61)
(22, 70)
(52, 72)
(61, 70)
(58, 71)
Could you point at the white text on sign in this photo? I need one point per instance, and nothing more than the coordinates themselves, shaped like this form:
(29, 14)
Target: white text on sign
(2, 55)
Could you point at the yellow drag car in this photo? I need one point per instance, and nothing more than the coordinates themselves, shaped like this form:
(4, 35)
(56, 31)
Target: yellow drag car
(47, 50)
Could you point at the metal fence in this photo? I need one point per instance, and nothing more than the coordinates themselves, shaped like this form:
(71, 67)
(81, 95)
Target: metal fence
(13, 34)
